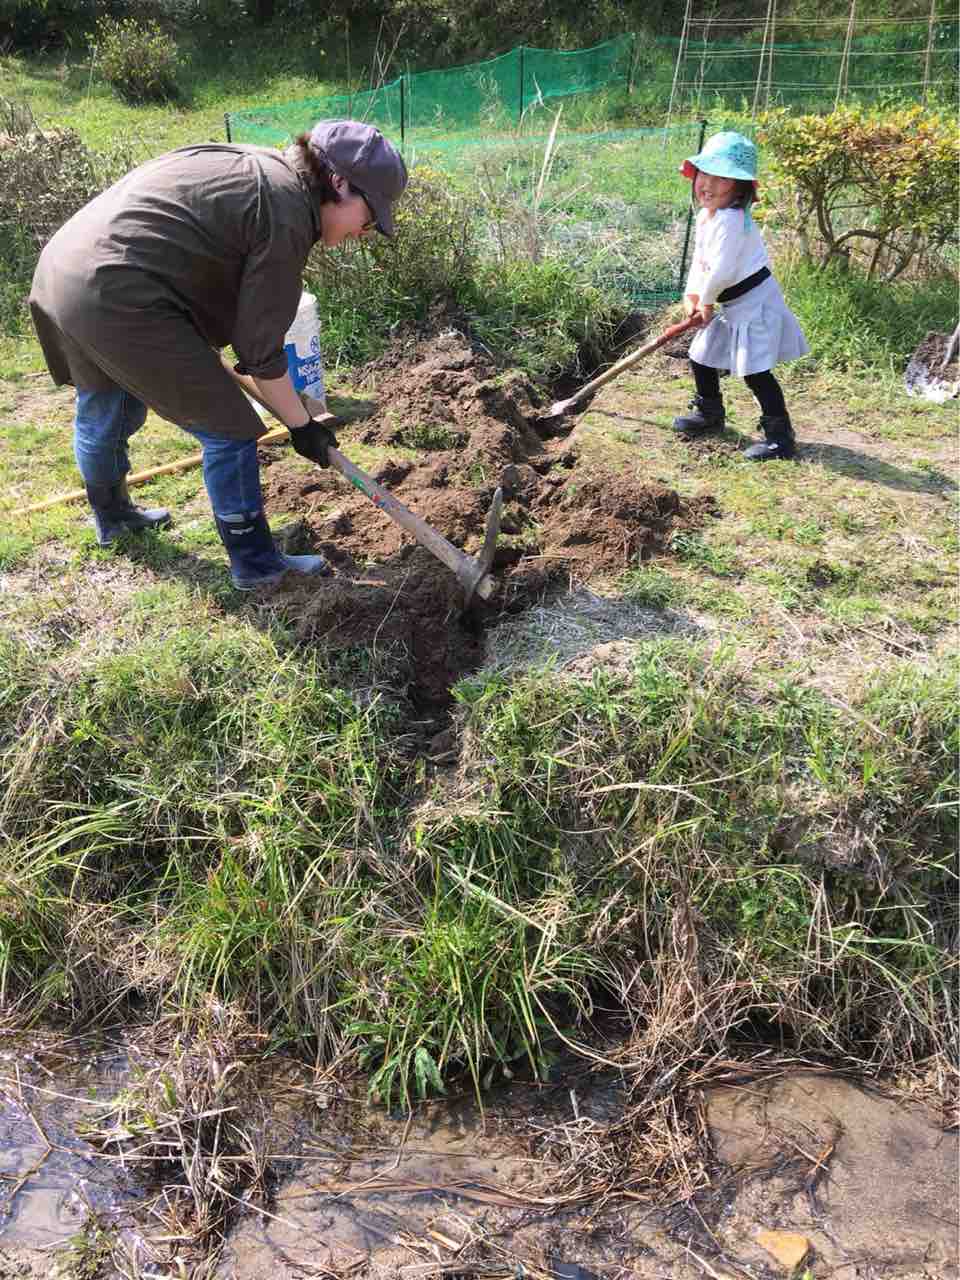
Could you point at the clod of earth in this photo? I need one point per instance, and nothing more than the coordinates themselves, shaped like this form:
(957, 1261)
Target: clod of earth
(563, 522)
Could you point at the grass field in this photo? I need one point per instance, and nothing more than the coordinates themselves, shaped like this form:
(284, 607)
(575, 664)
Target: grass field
(714, 814)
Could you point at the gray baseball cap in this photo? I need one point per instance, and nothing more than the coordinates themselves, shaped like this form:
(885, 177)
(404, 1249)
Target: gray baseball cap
(361, 154)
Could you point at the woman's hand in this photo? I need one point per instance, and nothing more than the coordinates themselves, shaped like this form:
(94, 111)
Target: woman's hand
(314, 439)
(691, 302)
(705, 312)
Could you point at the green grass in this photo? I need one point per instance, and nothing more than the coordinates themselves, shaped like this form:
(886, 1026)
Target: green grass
(854, 322)
(201, 810)
(219, 802)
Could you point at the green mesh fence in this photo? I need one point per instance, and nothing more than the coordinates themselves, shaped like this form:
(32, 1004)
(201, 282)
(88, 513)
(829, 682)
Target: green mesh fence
(609, 203)
(495, 95)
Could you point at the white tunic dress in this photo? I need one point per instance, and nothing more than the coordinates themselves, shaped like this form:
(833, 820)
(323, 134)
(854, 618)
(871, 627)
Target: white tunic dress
(758, 329)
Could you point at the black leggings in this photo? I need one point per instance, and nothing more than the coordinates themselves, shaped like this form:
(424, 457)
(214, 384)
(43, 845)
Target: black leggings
(763, 385)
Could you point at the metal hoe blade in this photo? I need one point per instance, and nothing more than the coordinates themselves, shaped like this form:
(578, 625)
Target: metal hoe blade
(480, 566)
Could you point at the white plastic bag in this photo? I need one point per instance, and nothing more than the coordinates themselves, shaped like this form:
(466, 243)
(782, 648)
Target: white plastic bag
(302, 345)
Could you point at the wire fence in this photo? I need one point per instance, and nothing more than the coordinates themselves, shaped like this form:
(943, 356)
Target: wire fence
(610, 202)
(695, 73)
(724, 61)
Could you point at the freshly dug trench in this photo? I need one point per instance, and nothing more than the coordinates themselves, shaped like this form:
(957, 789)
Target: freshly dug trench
(563, 522)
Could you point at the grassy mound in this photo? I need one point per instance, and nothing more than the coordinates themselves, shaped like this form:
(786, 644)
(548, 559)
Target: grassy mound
(717, 857)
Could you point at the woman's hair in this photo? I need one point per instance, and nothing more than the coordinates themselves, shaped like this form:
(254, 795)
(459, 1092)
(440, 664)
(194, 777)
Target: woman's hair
(318, 171)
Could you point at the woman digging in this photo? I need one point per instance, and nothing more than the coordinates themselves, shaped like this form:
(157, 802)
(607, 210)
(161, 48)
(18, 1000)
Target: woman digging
(200, 248)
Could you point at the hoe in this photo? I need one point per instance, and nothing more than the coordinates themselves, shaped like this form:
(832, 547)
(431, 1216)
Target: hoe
(472, 572)
(560, 407)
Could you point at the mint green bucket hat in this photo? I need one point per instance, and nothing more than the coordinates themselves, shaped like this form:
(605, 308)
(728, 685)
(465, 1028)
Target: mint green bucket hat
(726, 155)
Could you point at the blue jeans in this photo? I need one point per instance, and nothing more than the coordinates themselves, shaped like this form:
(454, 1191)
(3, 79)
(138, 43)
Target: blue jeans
(105, 421)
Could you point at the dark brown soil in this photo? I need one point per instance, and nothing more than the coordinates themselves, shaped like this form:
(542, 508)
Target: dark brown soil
(562, 520)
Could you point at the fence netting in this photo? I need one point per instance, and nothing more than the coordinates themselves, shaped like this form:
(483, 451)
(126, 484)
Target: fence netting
(909, 59)
(609, 202)
(500, 93)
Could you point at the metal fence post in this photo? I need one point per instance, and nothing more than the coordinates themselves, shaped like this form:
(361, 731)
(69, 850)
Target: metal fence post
(403, 111)
(686, 238)
(520, 116)
(226, 124)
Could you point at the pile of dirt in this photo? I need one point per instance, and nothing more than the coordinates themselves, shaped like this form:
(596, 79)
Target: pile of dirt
(564, 520)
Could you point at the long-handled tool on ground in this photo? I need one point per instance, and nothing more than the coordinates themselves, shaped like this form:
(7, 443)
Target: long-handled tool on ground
(560, 407)
(473, 572)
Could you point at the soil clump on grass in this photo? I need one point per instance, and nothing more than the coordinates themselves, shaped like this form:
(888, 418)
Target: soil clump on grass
(565, 521)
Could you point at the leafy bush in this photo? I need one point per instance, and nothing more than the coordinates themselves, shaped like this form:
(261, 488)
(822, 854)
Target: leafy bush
(137, 58)
(365, 293)
(880, 185)
(538, 312)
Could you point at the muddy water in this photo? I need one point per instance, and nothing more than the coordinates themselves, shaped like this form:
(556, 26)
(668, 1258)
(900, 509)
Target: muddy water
(868, 1182)
(51, 1180)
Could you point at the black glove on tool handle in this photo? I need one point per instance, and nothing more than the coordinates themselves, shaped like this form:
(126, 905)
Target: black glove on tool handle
(312, 441)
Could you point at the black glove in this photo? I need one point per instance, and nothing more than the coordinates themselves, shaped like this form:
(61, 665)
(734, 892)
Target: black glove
(312, 441)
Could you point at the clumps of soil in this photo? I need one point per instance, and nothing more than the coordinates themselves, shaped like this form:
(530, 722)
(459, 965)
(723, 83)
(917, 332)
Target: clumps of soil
(565, 520)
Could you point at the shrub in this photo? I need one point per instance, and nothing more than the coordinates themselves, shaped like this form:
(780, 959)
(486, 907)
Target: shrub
(880, 185)
(137, 58)
(539, 313)
(45, 177)
(367, 292)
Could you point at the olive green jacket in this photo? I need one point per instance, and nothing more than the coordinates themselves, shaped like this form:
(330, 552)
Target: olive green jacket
(200, 248)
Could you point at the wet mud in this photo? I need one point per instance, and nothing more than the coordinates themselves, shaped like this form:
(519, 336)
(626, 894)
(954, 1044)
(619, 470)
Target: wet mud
(865, 1181)
(52, 1181)
(565, 521)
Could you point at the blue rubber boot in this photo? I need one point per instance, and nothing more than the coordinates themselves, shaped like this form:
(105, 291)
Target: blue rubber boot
(254, 559)
(114, 513)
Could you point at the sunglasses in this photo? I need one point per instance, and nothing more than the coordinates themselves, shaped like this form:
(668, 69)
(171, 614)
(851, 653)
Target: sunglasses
(371, 222)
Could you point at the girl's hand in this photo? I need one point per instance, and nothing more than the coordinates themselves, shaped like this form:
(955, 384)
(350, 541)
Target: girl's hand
(690, 303)
(705, 312)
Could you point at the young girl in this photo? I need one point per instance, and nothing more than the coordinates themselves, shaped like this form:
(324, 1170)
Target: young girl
(755, 329)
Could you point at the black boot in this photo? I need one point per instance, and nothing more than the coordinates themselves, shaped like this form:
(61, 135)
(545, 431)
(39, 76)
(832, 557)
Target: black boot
(114, 513)
(779, 440)
(708, 416)
(254, 559)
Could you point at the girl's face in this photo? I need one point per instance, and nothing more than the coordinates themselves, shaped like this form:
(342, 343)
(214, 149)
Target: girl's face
(349, 219)
(712, 192)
